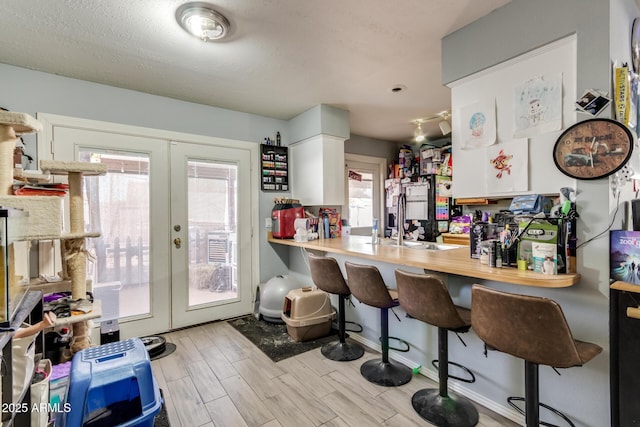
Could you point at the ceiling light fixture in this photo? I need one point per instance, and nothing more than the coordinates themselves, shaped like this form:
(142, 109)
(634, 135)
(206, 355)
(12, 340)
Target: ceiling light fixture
(418, 134)
(200, 20)
(444, 125)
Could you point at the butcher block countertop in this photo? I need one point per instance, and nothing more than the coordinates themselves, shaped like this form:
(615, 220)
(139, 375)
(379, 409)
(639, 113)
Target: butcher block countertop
(452, 261)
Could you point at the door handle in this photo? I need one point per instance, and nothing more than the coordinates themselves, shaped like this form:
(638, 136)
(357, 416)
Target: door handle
(177, 242)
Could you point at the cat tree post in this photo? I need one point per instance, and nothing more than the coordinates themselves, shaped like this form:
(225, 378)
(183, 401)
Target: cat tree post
(77, 264)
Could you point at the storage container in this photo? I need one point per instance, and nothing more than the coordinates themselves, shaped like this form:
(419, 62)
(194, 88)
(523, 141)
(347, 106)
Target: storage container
(112, 384)
(307, 313)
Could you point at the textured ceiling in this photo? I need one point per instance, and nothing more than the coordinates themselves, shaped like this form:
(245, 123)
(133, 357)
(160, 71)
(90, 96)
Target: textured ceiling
(283, 57)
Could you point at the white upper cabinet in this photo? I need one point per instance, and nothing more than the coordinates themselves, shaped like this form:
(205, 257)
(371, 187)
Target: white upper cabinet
(317, 170)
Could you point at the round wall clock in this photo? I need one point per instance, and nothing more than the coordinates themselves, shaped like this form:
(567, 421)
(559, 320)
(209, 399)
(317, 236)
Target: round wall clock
(593, 148)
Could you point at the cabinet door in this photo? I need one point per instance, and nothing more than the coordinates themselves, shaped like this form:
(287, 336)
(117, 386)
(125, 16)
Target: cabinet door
(317, 166)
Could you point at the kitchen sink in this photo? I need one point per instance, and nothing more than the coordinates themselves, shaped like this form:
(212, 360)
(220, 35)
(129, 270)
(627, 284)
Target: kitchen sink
(439, 246)
(430, 246)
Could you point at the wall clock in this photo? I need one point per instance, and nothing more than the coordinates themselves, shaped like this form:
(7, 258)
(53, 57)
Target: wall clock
(593, 148)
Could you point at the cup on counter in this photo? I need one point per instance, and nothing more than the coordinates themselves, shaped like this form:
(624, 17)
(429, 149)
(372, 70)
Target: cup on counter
(523, 264)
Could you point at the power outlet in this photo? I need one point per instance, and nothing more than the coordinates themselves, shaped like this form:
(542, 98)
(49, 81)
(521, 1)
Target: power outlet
(268, 222)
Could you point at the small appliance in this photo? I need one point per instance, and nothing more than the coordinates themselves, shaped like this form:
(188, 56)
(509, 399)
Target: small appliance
(283, 217)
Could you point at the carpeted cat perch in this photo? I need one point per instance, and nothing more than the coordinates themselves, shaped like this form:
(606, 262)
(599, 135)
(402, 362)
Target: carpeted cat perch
(75, 254)
(11, 125)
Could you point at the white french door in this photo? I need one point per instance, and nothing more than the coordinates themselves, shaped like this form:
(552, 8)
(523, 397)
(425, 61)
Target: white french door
(175, 219)
(211, 233)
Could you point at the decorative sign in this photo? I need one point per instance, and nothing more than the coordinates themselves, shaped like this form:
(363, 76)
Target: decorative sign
(355, 176)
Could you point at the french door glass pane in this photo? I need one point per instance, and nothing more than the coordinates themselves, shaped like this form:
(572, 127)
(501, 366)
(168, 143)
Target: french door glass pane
(117, 205)
(211, 195)
(361, 200)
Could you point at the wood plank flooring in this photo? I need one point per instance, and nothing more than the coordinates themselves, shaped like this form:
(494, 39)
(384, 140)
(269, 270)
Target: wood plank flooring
(216, 377)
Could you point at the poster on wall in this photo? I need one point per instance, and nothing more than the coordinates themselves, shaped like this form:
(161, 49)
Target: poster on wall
(478, 122)
(506, 166)
(537, 106)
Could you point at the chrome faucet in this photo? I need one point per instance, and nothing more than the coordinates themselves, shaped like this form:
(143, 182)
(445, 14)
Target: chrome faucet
(400, 217)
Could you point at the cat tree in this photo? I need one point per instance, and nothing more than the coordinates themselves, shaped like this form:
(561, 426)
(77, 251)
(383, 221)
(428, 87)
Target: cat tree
(74, 254)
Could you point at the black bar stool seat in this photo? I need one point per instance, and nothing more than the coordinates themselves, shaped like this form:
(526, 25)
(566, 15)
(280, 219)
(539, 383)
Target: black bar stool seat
(530, 328)
(367, 285)
(427, 299)
(326, 275)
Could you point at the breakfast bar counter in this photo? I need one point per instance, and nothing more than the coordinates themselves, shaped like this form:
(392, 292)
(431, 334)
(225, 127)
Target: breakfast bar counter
(449, 259)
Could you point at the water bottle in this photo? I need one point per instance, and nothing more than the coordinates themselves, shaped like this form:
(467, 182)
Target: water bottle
(327, 229)
(374, 232)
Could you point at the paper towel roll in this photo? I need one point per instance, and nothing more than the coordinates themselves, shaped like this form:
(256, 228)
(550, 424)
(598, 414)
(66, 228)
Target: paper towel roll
(301, 223)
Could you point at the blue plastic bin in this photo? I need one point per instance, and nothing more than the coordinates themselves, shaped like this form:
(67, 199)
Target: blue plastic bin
(112, 385)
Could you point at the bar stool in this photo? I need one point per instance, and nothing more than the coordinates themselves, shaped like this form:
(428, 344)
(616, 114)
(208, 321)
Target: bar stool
(367, 285)
(530, 328)
(427, 299)
(326, 275)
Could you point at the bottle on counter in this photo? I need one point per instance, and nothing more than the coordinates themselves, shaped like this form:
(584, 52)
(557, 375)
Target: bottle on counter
(327, 228)
(374, 232)
(320, 228)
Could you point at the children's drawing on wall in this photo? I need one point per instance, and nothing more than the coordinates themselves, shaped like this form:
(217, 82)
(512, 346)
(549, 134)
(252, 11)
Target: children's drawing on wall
(506, 166)
(537, 106)
(478, 122)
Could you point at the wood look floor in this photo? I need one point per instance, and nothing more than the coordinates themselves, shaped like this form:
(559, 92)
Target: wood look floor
(216, 377)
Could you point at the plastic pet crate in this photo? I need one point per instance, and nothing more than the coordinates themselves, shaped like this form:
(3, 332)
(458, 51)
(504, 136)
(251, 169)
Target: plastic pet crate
(112, 385)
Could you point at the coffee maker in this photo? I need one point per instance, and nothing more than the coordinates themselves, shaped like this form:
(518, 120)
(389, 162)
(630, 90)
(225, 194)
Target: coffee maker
(283, 216)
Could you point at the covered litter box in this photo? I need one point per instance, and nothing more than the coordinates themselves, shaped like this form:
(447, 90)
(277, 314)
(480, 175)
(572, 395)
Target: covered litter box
(272, 296)
(307, 313)
(110, 385)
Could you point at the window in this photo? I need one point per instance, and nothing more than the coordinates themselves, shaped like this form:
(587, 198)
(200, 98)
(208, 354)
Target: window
(364, 191)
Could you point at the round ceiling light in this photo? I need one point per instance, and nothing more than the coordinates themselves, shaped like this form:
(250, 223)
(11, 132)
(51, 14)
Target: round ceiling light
(200, 20)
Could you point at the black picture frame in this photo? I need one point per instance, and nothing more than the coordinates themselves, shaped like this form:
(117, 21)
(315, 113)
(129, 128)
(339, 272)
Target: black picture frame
(593, 148)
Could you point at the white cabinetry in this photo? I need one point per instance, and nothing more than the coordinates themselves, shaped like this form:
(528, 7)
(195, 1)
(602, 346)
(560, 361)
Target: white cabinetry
(317, 171)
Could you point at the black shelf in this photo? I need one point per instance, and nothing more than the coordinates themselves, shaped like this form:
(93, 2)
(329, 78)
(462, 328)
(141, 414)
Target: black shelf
(274, 167)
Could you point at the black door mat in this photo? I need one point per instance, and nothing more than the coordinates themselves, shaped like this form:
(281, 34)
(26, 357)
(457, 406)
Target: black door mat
(162, 419)
(273, 340)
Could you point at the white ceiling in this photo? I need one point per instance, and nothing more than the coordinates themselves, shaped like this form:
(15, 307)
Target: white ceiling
(284, 56)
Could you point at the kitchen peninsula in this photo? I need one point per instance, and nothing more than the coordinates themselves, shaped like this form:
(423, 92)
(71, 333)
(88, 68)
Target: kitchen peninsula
(453, 264)
(450, 259)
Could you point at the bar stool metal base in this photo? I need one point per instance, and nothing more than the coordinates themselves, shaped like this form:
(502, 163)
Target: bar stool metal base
(512, 399)
(444, 411)
(342, 351)
(388, 374)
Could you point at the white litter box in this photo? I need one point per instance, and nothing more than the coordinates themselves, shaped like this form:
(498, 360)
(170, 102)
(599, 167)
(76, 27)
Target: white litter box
(272, 295)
